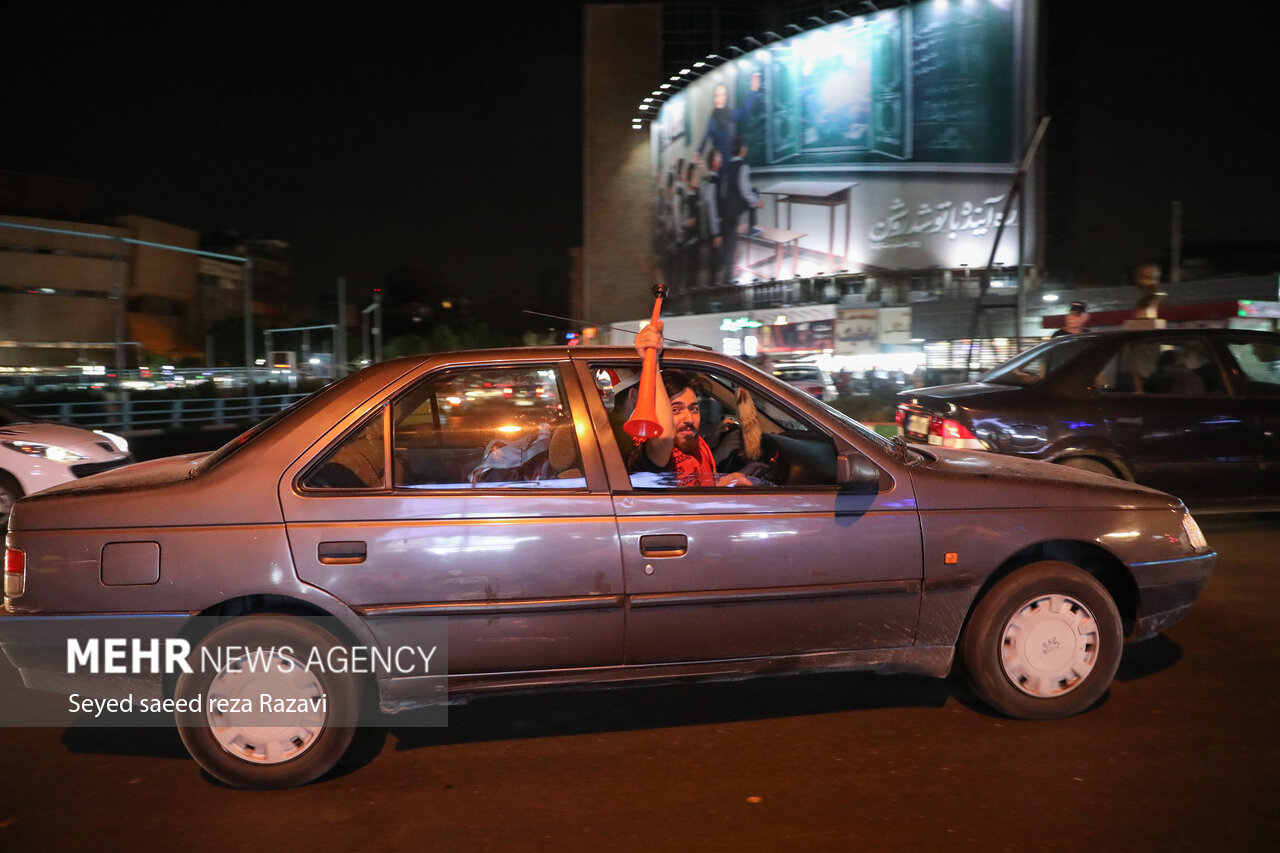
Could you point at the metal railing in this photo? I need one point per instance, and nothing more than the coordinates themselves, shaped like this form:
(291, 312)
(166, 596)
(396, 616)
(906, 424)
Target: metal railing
(142, 416)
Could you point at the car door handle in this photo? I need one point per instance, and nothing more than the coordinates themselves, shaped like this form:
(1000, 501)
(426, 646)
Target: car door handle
(341, 553)
(664, 545)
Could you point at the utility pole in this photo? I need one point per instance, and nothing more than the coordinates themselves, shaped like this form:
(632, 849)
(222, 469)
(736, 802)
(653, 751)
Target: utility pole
(1175, 250)
(340, 334)
(248, 323)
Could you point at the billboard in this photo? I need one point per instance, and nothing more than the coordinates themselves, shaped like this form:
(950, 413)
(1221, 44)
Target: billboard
(885, 141)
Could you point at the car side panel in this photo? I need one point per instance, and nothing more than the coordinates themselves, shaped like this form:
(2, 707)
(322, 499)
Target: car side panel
(964, 547)
(1202, 449)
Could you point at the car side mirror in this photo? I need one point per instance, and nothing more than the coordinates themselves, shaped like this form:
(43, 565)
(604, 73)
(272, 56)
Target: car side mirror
(856, 473)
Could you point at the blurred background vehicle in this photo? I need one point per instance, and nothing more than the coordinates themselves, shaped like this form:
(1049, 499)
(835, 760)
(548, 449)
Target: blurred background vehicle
(808, 378)
(37, 454)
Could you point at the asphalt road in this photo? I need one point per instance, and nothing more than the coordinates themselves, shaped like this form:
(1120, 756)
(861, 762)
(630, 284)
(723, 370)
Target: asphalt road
(1183, 754)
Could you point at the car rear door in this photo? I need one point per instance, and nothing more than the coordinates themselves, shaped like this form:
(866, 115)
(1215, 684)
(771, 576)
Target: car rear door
(475, 496)
(1179, 424)
(770, 570)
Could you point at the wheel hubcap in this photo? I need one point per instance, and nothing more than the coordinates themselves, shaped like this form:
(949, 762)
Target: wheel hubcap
(1050, 646)
(266, 708)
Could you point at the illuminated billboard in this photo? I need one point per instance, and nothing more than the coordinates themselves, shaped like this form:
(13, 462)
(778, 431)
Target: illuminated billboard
(885, 141)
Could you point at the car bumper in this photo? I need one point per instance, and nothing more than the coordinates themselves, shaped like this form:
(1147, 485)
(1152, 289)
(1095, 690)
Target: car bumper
(38, 647)
(1166, 591)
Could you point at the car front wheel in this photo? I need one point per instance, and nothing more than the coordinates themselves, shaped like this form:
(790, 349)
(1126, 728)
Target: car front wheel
(1084, 463)
(1043, 643)
(256, 712)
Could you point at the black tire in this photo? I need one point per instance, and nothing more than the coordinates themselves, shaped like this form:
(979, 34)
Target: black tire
(1043, 643)
(1085, 463)
(271, 750)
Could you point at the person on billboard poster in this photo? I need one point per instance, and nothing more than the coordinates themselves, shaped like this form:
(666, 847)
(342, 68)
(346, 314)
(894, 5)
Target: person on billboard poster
(722, 127)
(722, 124)
(694, 227)
(672, 223)
(736, 197)
(711, 217)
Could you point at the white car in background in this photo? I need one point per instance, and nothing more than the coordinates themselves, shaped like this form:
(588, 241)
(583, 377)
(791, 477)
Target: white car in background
(807, 377)
(36, 454)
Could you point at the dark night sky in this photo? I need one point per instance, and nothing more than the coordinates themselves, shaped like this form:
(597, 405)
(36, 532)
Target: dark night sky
(1162, 102)
(366, 135)
(448, 136)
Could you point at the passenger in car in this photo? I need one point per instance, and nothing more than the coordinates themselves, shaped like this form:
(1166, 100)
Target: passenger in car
(1173, 376)
(680, 449)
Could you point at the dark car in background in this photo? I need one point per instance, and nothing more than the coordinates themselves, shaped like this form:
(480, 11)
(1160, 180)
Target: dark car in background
(418, 494)
(1194, 412)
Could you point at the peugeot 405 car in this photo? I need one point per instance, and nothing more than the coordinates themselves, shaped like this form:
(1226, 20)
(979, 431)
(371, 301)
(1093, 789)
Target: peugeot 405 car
(402, 501)
(36, 454)
(1194, 412)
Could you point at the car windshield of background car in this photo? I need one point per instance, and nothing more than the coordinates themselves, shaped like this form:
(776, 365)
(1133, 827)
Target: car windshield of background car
(1035, 364)
(791, 374)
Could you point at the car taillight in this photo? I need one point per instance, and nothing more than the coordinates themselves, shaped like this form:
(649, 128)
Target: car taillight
(899, 416)
(949, 433)
(15, 572)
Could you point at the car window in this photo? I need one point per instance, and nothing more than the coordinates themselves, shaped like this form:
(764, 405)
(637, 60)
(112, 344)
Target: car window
(1260, 363)
(746, 431)
(358, 462)
(465, 429)
(1175, 367)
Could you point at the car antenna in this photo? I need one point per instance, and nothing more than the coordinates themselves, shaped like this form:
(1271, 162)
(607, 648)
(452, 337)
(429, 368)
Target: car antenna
(615, 328)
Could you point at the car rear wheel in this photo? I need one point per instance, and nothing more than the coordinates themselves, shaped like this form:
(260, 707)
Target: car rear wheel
(257, 711)
(1043, 643)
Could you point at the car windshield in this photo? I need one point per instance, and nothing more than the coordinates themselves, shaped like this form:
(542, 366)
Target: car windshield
(1035, 364)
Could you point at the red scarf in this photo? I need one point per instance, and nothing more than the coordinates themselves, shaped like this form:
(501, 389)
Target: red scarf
(692, 470)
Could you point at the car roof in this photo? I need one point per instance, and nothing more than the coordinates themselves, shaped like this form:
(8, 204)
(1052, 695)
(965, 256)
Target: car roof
(1113, 334)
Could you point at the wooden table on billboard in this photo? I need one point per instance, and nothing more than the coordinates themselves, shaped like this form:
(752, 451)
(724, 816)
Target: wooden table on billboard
(779, 239)
(829, 194)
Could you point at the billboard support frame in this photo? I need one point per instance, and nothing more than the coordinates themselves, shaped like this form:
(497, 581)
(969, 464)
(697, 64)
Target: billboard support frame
(984, 282)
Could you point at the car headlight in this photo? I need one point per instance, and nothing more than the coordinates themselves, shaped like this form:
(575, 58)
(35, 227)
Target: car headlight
(51, 452)
(1194, 536)
(121, 444)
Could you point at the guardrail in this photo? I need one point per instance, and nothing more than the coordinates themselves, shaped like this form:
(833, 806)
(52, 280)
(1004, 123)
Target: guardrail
(144, 416)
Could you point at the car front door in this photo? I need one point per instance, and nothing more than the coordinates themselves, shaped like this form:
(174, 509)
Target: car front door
(1254, 363)
(786, 566)
(469, 497)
